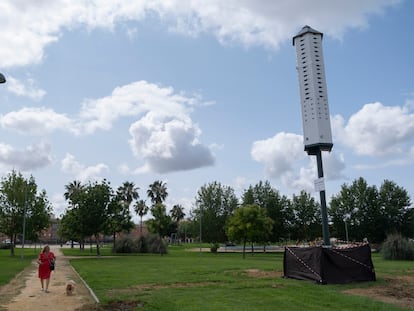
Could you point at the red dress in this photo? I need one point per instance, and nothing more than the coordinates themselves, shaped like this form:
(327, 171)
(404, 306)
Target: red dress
(44, 267)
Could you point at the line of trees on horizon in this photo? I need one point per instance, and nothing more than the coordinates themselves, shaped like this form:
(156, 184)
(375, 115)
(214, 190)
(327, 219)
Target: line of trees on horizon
(262, 214)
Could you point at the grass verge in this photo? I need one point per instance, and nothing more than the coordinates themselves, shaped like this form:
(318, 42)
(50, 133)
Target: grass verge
(11, 266)
(184, 280)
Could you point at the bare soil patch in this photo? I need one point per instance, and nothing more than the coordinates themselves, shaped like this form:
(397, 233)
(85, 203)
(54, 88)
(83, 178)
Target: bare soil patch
(397, 291)
(256, 273)
(113, 306)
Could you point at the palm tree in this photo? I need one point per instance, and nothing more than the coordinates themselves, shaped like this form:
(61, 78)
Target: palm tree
(157, 192)
(127, 193)
(177, 213)
(141, 209)
(72, 189)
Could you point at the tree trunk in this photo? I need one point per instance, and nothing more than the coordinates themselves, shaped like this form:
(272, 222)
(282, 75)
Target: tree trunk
(244, 248)
(98, 250)
(12, 244)
(113, 248)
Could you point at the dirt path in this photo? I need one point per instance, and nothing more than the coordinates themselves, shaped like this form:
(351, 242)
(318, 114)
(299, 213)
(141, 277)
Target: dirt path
(23, 292)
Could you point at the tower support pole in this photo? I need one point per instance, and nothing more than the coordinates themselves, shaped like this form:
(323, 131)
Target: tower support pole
(324, 211)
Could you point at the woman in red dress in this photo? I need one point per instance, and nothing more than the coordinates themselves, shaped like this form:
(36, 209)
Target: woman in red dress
(44, 260)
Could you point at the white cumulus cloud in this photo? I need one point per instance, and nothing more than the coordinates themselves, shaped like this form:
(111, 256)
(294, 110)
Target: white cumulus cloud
(164, 136)
(35, 121)
(28, 27)
(279, 153)
(376, 130)
(284, 158)
(83, 173)
(168, 143)
(27, 89)
(33, 157)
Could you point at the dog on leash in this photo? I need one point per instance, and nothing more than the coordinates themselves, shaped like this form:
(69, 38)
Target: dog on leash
(70, 287)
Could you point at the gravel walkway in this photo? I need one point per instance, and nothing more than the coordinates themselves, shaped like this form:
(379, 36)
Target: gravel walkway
(23, 293)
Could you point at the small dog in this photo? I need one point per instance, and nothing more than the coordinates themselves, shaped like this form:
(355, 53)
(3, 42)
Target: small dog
(70, 287)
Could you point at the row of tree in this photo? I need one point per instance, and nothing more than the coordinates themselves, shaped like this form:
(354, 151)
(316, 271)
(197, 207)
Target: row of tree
(357, 212)
(94, 209)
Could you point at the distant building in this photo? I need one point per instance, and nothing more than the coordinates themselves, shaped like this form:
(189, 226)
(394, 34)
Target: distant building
(136, 232)
(50, 235)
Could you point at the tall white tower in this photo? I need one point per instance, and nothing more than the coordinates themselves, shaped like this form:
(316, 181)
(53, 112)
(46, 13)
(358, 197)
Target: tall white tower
(313, 95)
(317, 136)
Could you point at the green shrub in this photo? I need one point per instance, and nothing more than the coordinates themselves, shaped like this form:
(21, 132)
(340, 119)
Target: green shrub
(397, 247)
(142, 245)
(125, 245)
(148, 244)
(156, 245)
(214, 248)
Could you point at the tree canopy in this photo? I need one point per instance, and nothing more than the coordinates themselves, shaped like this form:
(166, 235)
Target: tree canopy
(214, 204)
(371, 213)
(20, 202)
(276, 205)
(94, 210)
(249, 223)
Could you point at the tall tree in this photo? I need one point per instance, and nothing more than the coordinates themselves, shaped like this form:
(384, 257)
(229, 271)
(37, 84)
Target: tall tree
(306, 217)
(92, 210)
(72, 189)
(177, 213)
(277, 206)
(127, 193)
(214, 204)
(38, 218)
(395, 204)
(360, 205)
(157, 192)
(119, 218)
(160, 223)
(70, 227)
(20, 203)
(249, 223)
(73, 227)
(141, 209)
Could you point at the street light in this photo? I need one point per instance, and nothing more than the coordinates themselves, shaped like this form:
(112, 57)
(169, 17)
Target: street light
(24, 221)
(201, 240)
(2, 78)
(346, 218)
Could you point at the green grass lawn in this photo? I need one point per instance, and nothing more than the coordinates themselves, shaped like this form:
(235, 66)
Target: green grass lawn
(184, 280)
(10, 266)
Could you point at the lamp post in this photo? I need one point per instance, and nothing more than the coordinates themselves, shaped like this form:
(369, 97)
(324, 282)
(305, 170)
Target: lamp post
(2, 78)
(346, 217)
(346, 232)
(24, 221)
(201, 240)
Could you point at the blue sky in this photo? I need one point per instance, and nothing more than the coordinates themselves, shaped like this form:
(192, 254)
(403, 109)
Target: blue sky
(191, 92)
